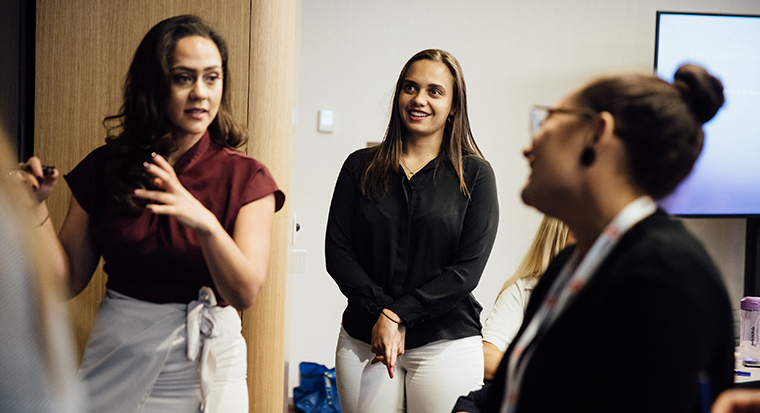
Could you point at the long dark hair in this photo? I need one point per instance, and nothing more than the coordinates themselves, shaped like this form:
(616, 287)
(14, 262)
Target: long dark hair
(457, 136)
(142, 126)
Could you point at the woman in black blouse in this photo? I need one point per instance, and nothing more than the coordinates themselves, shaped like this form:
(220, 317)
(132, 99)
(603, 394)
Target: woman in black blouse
(412, 222)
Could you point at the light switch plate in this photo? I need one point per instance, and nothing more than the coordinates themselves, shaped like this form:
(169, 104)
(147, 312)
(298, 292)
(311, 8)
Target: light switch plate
(326, 119)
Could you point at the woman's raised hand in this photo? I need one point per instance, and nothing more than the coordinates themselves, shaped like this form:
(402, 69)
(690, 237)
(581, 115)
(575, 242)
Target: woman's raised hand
(38, 179)
(173, 199)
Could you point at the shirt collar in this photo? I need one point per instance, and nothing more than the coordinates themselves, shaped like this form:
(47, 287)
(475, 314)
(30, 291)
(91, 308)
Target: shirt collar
(193, 154)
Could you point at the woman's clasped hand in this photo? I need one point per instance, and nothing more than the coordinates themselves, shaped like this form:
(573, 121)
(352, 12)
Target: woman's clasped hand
(388, 338)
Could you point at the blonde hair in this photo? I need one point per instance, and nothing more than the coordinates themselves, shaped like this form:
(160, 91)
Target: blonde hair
(549, 240)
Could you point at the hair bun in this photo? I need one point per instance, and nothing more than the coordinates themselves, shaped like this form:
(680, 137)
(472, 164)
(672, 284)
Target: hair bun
(701, 91)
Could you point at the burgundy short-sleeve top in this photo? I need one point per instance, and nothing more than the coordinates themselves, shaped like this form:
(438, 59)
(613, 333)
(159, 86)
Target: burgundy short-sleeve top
(154, 257)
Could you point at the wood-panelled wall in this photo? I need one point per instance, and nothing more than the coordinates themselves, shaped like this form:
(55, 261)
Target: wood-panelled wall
(84, 48)
(270, 120)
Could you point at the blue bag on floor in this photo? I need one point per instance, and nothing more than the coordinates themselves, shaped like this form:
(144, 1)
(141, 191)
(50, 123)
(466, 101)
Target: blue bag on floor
(316, 392)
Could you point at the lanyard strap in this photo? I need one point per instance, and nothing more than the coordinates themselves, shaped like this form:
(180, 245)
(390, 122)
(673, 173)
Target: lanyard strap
(566, 287)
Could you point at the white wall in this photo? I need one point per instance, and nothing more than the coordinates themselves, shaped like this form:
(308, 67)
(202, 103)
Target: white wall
(513, 53)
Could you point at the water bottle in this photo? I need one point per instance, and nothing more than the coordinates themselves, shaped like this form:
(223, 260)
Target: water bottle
(749, 338)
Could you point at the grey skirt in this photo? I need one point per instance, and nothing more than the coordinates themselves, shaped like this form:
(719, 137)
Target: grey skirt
(146, 357)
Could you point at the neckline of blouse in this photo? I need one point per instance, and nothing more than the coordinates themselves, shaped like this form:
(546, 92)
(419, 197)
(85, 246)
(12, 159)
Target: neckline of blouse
(192, 155)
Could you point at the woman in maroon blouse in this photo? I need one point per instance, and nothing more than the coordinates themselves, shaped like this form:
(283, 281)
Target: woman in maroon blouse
(183, 222)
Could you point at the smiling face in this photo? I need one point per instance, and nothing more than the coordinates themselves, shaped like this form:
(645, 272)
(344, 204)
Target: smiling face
(554, 158)
(196, 87)
(425, 99)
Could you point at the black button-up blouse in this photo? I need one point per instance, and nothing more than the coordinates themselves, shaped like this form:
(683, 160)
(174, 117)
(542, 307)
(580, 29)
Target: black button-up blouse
(419, 251)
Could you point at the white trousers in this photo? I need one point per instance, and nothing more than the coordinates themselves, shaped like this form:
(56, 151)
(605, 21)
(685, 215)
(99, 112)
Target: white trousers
(149, 358)
(428, 379)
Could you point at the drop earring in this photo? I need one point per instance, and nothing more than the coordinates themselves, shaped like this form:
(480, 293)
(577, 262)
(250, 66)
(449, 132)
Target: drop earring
(588, 156)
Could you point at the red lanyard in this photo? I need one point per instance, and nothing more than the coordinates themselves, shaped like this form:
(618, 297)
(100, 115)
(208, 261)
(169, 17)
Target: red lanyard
(566, 287)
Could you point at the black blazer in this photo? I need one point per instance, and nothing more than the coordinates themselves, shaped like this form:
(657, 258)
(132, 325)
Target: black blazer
(651, 324)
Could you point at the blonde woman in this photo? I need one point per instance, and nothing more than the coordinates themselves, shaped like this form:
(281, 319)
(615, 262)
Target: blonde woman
(36, 354)
(507, 313)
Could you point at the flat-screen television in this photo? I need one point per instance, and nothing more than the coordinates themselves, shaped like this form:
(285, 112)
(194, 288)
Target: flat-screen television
(725, 180)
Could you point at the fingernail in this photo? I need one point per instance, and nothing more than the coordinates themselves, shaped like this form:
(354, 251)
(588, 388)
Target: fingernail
(146, 165)
(152, 154)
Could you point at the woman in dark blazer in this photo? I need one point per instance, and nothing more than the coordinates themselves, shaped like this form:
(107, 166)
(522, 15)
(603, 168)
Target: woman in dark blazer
(635, 316)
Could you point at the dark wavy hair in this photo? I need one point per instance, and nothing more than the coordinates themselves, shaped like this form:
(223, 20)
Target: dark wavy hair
(660, 123)
(142, 125)
(457, 136)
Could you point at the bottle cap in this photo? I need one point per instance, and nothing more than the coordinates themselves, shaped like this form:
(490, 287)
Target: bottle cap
(750, 303)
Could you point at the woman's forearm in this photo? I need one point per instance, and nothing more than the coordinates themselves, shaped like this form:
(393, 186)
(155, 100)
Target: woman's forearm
(239, 264)
(491, 359)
